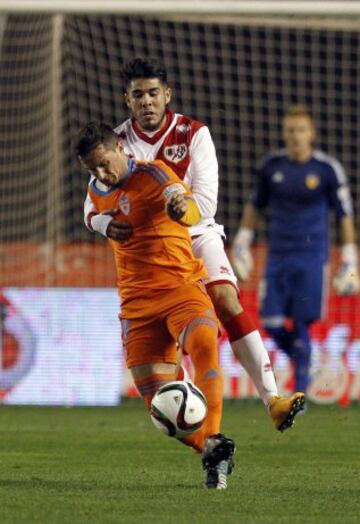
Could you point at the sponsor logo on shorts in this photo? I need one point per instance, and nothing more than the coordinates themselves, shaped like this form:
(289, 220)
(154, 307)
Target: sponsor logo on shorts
(224, 269)
(175, 153)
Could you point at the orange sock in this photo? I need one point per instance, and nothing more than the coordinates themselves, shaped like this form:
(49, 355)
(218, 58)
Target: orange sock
(200, 342)
(149, 385)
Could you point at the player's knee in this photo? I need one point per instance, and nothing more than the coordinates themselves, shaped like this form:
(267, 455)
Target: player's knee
(225, 300)
(201, 342)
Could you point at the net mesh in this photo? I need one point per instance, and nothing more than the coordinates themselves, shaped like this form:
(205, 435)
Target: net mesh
(237, 76)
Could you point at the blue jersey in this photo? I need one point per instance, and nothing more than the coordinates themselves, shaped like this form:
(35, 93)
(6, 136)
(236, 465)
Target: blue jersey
(299, 197)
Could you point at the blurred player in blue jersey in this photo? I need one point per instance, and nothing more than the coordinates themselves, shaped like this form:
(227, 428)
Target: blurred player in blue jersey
(298, 186)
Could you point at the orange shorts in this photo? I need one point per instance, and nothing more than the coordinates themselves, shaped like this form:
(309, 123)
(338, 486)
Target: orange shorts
(153, 339)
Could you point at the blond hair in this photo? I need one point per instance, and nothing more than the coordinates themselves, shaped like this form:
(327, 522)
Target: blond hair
(299, 110)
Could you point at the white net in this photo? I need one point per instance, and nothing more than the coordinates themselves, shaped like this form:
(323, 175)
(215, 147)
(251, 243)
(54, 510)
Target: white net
(236, 75)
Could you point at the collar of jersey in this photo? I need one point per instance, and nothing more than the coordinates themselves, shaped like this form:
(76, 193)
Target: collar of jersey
(131, 167)
(154, 138)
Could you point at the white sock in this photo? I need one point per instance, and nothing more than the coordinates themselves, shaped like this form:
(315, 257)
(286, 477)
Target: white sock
(252, 355)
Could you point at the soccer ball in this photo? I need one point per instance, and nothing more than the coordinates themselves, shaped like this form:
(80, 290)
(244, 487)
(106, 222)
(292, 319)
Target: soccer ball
(178, 409)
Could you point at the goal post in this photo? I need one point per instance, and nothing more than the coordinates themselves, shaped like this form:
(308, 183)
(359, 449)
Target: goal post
(188, 7)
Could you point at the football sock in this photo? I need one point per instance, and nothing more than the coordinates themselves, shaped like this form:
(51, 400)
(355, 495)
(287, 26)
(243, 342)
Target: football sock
(149, 385)
(302, 355)
(200, 343)
(249, 349)
(183, 374)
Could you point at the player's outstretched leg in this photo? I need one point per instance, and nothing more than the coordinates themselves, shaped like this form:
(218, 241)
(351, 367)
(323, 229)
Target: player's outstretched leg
(283, 410)
(217, 453)
(200, 342)
(217, 459)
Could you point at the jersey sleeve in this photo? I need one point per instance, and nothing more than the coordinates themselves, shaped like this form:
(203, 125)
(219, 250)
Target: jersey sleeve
(203, 171)
(94, 220)
(175, 187)
(161, 184)
(339, 196)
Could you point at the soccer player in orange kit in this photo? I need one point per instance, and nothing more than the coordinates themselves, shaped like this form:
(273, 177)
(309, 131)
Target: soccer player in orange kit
(163, 301)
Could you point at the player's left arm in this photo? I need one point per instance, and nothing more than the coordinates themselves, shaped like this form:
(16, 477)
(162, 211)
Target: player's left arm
(204, 172)
(346, 280)
(180, 204)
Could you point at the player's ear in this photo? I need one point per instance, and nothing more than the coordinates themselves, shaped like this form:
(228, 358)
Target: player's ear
(168, 94)
(126, 98)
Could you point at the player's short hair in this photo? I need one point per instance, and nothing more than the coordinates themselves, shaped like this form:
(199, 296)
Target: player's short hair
(92, 135)
(299, 110)
(143, 68)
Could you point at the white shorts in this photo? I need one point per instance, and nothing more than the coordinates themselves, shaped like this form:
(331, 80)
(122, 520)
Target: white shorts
(210, 247)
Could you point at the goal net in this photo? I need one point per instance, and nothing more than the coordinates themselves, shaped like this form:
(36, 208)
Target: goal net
(237, 74)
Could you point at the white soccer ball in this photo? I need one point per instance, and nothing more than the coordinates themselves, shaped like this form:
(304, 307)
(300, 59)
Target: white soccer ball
(178, 409)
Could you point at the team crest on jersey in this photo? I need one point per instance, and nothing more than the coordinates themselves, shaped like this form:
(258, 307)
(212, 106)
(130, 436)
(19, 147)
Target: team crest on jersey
(312, 181)
(278, 177)
(124, 204)
(175, 153)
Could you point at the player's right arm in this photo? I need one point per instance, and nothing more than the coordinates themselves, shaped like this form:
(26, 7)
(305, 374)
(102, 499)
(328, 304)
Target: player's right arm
(347, 279)
(204, 172)
(241, 256)
(104, 222)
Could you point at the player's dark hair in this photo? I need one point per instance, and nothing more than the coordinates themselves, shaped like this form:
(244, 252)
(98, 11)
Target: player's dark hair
(92, 135)
(143, 68)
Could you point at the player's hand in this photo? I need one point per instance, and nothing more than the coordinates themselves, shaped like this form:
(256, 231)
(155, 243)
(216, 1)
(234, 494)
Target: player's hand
(241, 257)
(347, 281)
(176, 206)
(117, 229)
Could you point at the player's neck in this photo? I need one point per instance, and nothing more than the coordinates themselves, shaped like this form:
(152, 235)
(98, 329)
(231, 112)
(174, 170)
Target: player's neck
(301, 156)
(159, 128)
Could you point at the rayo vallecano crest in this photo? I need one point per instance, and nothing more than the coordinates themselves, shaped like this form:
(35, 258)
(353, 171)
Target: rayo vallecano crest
(175, 153)
(124, 204)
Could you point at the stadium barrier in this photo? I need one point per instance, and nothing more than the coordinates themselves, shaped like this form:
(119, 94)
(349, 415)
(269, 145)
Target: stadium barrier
(62, 344)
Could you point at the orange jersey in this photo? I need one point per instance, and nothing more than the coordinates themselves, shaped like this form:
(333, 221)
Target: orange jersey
(158, 255)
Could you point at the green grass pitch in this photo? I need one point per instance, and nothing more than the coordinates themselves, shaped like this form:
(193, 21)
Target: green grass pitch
(109, 465)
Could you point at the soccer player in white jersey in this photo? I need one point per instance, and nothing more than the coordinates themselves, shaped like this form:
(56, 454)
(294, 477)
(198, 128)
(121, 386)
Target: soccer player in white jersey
(299, 185)
(155, 132)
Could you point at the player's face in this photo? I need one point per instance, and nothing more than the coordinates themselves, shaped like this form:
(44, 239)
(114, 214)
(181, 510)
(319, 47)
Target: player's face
(147, 99)
(109, 166)
(299, 136)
